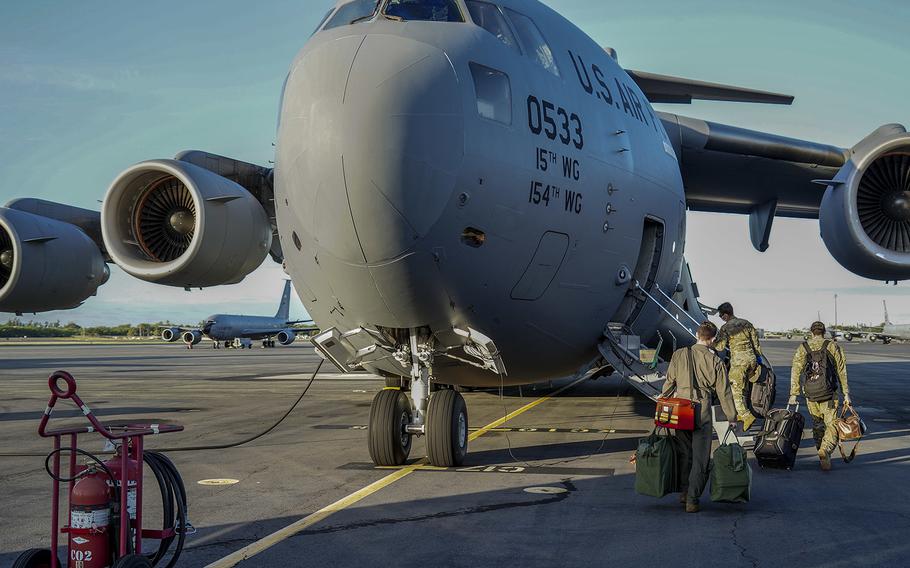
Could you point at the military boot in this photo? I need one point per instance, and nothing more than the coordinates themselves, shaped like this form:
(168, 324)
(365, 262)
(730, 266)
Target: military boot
(747, 419)
(692, 506)
(825, 460)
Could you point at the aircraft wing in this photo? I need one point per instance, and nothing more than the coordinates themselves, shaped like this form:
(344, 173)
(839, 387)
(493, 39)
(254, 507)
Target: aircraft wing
(734, 170)
(668, 89)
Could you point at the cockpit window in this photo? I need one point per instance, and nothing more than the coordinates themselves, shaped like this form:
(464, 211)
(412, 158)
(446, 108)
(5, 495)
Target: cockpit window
(322, 21)
(533, 41)
(424, 10)
(352, 12)
(489, 17)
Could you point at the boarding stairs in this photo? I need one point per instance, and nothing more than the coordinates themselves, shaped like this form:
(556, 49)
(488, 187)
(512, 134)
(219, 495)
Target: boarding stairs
(621, 349)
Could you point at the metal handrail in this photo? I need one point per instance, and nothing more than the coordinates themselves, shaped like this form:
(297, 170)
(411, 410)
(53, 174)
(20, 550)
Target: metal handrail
(665, 310)
(672, 301)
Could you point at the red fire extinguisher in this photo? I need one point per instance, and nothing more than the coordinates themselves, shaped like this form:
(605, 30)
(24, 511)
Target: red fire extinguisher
(90, 521)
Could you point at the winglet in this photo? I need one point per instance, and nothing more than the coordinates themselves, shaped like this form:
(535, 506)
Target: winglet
(669, 89)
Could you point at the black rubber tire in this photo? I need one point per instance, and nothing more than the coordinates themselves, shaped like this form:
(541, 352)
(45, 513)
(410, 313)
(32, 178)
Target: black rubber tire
(390, 413)
(447, 429)
(34, 558)
(133, 561)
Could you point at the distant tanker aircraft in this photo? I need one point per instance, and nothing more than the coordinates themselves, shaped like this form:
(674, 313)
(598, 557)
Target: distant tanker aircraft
(468, 193)
(225, 329)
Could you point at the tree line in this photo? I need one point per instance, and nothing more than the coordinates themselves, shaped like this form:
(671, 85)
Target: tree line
(15, 327)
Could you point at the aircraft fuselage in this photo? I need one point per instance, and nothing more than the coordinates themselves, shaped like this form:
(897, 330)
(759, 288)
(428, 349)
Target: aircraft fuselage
(400, 206)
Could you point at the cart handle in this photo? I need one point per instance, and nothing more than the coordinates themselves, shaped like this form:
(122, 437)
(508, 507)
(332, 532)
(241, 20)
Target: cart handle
(69, 392)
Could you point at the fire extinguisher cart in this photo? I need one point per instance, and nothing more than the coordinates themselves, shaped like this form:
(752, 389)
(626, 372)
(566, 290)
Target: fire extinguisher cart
(104, 527)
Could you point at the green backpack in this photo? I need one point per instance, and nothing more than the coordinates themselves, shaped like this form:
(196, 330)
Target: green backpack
(731, 476)
(656, 465)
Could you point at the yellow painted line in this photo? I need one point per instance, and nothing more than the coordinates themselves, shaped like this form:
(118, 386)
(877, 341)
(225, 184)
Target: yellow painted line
(282, 534)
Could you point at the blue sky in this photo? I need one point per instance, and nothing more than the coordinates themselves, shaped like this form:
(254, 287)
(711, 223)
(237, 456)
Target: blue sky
(88, 88)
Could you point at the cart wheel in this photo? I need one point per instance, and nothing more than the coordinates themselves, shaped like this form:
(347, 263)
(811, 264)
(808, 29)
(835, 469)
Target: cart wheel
(133, 561)
(34, 558)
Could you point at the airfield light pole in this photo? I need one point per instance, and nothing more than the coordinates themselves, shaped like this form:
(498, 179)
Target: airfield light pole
(835, 311)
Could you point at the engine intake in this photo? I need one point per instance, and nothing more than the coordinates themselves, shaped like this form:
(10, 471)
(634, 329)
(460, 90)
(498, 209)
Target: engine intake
(175, 223)
(192, 337)
(865, 213)
(46, 264)
(171, 334)
(286, 337)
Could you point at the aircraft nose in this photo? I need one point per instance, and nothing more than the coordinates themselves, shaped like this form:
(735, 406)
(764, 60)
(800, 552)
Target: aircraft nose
(381, 139)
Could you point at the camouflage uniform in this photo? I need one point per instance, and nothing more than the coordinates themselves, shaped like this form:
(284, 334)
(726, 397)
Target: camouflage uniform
(739, 336)
(823, 413)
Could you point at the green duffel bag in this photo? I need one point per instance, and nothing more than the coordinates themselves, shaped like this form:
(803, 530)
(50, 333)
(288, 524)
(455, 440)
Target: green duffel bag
(731, 476)
(655, 465)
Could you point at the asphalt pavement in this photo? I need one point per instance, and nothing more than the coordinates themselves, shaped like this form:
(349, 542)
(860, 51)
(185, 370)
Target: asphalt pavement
(550, 487)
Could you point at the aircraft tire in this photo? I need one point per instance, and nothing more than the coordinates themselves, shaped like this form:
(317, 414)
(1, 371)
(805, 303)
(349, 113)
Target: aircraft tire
(886, 340)
(447, 429)
(390, 413)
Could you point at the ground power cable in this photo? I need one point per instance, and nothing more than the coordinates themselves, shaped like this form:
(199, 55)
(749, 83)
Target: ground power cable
(205, 447)
(603, 441)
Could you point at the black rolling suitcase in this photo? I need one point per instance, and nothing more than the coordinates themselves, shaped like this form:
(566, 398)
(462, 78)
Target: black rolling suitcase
(779, 440)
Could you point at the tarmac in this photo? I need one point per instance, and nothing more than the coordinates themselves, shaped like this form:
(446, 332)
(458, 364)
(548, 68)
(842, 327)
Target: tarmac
(551, 486)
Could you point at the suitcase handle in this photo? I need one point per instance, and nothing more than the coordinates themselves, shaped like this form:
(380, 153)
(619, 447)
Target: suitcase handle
(795, 409)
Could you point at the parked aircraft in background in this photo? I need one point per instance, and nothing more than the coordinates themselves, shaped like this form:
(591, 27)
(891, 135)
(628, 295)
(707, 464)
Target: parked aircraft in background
(468, 193)
(889, 332)
(231, 330)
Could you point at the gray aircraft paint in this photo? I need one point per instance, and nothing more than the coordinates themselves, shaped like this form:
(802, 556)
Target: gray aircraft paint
(227, 327)
(381, 168)
(893, 330)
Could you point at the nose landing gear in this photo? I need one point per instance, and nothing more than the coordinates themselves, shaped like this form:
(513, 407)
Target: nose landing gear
(441, 416)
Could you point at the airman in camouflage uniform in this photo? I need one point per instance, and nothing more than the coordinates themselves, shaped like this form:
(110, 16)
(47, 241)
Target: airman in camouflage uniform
(739, 336)
(824, 413)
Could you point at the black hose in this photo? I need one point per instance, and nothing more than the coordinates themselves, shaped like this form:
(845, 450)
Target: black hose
(83, 473)
(211, 447)
(251, 438)
(173, 506)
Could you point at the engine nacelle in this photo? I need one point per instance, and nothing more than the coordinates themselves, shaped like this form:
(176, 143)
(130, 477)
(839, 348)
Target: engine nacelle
(865, 213)
(174, 223)
(46, 264)
(171, 334)
(192, 337)
(286, 337)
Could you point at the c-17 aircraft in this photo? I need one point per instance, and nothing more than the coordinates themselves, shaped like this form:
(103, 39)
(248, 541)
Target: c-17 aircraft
(224, 329)
(469, 193)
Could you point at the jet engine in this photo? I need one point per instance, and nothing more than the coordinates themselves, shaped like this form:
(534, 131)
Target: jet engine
(865, 213)
(286, 337)
(171, 334)
(46, 264)
(175, 223)
(192, 337)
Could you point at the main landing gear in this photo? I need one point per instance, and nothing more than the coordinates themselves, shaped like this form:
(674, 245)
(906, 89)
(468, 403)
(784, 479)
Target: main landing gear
(268, 343)
(441, 416)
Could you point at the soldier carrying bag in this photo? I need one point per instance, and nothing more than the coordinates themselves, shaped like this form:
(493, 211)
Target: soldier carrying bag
(849, 428)
(821, 375)
(678, 413)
